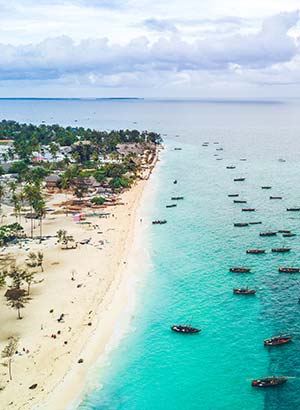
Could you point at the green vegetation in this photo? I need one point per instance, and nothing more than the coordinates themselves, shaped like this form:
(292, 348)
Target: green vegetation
(98, 200)
(9, 232)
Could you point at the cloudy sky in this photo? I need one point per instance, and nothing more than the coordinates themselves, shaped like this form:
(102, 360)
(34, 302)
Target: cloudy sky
(148, 48)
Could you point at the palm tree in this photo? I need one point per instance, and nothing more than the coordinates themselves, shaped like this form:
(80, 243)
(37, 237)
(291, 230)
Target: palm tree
(2, 193)
(33, 195)
(40, 259)
(32, 259)
(16, 299)
(9, 351)
(40, 209)
(28, 278)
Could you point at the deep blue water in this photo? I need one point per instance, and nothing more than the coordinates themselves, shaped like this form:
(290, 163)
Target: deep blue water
(154, 368)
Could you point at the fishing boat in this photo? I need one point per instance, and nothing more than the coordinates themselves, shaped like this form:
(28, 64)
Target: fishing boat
(240, 224)
(233, 195)
(219, 159)
(230, 167)
(278, 340)
(248, 209)
(293, 209)
(239, 201)
(266, 187)
(289, 270)
(281, 250)
(281, 160)
(275, 197)
(284, 231)
(171, 206)
(177, 198)
(243, 159)
(175, 181)
(255, 251)
(240, 270)
(255, 223)
(270, 381)
(244, 291)
(268, 233)
(288, 235)
(239, 179)
(219, 149)
(204, 145)
(177, 149)
(185, 329)
(159, 222)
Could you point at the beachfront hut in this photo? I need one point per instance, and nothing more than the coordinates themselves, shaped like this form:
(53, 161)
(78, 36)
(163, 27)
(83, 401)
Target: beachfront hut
(52, 181)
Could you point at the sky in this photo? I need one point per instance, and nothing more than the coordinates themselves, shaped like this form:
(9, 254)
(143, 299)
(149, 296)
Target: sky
(150, 48)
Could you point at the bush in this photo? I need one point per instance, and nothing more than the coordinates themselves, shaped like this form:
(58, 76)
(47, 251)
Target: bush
(98, 200)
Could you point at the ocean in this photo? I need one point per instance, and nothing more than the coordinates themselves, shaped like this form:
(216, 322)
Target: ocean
(188, 279)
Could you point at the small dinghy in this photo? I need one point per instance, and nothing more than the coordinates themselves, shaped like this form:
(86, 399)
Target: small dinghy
(243, 159)
(177, 198)
(268, 233)
(239, 201)
(185, 329)
(277, 340)
(275, 197)
(284, 231)
(289, 270)
(233, 195)
(244, 291)
(177, 149)
(230, 167)
(280, 250)
(240, 270)
(159, 222)
(255, 223)
(171, 206)
(269, 381)
(255, 251)
(239, 179)
(288, 235)
(293, 209)
(248, 209)
(266, 187)
(241, 224)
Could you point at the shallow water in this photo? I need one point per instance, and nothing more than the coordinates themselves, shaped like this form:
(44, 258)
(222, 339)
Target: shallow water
(154, 368)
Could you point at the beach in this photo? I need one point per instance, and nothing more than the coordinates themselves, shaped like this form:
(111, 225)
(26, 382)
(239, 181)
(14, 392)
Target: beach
(89, 286)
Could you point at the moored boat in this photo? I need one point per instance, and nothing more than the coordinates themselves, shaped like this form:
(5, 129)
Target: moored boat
(243, 159)
(278, 340)
(230, 167)
(289, 270)
(175, 181)
(239, 201)
(159, 222)
(240, 224)
(171, 206)
(266, 187)
(281, 250)
(244, 291)
(255, 223)
(240, 270)
(275, 197)
(177, 198)
(284, 231)
(271, 381)
(288, 235)
(255, 251)
(248, 209)
(185, 329)
(268, 233)
(233, 195)
(177, 149)
(293, 209)
(239, 179)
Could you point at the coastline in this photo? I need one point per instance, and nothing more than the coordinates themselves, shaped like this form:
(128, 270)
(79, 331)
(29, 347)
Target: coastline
(105, 302)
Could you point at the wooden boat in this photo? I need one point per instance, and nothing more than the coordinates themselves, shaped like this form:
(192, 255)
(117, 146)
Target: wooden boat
(244, 291)
(159, 222)
(171, 206)
(288, 235)
(248, 209)
(239, 201)
(268, 233)
(204, 145)
(281, 160)
(240, 270)
(281, 250)
(239, 179)
(175, 181)
(266, 187)
(240, 224)
(277, 340)
(233, 195)
(275, 197)
(255, 251)
(184, 329)
(293, 209)
(255, 223)
(271, 381)
(243, 159)
(284, 231)
(219, 149)
(177, 198)
(219, 159)
(289, 270)
(177, 149)
(230, 167)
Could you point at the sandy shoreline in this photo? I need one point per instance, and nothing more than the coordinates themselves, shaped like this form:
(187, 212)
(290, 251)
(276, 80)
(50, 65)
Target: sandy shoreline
(95, 305)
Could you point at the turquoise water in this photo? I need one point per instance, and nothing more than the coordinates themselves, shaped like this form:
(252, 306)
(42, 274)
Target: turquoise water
(154, 368)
